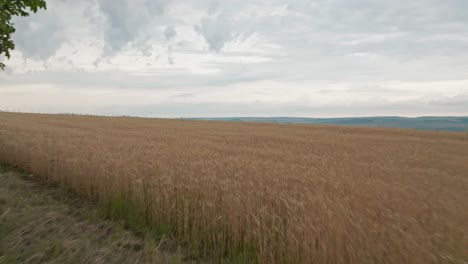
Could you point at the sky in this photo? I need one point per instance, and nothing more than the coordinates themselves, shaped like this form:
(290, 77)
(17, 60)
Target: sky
(213, 58)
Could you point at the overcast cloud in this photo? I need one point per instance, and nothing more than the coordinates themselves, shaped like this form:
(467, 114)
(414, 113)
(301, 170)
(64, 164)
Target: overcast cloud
(241, 58)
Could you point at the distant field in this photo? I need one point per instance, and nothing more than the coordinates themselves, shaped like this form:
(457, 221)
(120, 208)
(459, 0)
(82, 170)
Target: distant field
(448, 123)
(260, 192)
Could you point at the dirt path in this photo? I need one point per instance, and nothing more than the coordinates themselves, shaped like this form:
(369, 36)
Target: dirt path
(44, 224)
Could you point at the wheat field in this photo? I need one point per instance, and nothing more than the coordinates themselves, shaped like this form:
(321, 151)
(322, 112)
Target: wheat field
(256, 192)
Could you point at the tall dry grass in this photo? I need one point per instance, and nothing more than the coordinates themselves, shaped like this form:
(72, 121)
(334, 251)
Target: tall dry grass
(262, 193)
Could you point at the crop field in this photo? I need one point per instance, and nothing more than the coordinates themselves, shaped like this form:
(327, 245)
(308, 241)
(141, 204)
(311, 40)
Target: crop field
(257, 192)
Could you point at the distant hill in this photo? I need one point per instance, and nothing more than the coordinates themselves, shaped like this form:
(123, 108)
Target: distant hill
(449, 123)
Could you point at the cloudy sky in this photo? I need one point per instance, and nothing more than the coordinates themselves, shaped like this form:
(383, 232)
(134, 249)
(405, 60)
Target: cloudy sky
(172, 58)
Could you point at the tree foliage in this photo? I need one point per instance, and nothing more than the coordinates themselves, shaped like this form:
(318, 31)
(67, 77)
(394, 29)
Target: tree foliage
(9, 9)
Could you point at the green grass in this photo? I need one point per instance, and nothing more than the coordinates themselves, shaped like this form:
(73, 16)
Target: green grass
(197, 246)
(3, 168)
(10, 258)
(122, 209)
(55, 250)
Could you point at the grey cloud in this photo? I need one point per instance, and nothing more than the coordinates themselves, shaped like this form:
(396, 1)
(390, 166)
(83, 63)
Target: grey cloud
(216, 31)
(170, 33)
(122, 26)
(126, 19)
(308, 29)
(40, 35)
(383, 16)
(406, 29)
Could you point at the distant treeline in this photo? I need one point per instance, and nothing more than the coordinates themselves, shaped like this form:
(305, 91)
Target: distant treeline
(449, 123)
